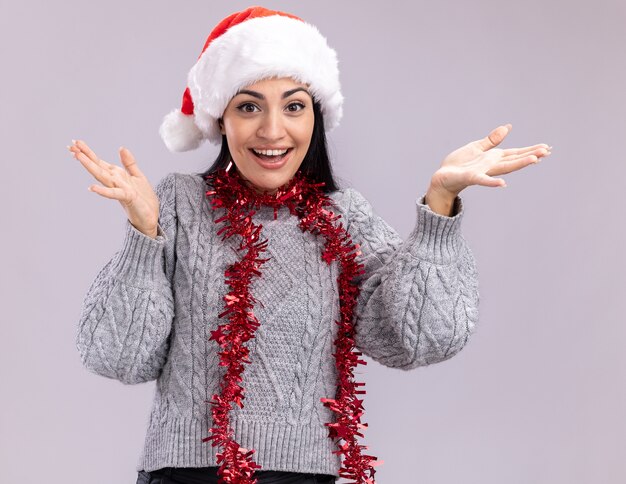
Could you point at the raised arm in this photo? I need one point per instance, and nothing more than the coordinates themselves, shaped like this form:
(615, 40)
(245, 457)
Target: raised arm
(127, 314)
(419, 297)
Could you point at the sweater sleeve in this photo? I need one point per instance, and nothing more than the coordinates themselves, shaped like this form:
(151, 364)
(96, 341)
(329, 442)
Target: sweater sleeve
(419, 298)
(127, 313)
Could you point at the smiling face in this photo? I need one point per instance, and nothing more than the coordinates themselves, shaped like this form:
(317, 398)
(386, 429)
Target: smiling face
(273, 114)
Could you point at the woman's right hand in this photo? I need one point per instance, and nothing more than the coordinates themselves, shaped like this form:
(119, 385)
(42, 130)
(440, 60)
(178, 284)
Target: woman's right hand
(127, 185)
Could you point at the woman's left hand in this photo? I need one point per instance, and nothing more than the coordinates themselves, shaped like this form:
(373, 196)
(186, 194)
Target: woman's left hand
(478, 162)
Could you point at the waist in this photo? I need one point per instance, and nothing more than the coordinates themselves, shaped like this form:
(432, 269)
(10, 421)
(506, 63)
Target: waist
(208, 475)
(177, 442)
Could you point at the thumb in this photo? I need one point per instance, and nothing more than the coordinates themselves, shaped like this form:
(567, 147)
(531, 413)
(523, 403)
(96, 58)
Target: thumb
(489, 181)
(494, 138)
(128, 160)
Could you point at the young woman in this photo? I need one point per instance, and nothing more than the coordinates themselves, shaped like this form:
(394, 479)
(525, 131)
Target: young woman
(248, 292)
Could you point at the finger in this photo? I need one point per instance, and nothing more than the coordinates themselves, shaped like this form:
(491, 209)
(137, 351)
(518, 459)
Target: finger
(103, 175)
(82, 146)
(128, 160)
(503, 168)
(526, 149)
(96, 170)
(539, 153)
(487, 181)
(495, 137)
(108, 192)
(86, 149)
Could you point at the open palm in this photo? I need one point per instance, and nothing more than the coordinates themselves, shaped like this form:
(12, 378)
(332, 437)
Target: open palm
(478, 162)
(128, 185)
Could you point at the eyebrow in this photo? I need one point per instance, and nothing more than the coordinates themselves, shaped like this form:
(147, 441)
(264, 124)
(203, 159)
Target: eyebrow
(286, 94)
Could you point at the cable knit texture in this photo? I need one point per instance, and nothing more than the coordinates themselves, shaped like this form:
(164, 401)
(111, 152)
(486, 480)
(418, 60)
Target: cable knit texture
(150, 310)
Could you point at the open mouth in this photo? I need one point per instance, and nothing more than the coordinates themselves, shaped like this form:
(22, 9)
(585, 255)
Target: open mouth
(271, 158)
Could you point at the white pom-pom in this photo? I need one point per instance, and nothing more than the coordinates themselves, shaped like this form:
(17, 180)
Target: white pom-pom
(180, 132)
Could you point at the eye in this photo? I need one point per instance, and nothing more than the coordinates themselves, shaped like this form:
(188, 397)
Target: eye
(242, 107)
(302, 106)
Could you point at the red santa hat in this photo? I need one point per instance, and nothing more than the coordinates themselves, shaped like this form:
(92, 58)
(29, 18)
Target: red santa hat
(243, 48)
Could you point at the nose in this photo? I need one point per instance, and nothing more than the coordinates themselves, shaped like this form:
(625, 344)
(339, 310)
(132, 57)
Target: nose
(272, 126)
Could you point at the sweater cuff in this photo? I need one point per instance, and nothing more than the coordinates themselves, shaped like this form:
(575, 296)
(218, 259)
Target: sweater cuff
(140, 262)
(436, 238)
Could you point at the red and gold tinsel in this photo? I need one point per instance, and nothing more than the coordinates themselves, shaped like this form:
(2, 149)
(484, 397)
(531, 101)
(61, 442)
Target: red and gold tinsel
(311, 205)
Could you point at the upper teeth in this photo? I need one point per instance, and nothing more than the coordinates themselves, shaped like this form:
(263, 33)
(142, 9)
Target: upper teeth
(270, 152)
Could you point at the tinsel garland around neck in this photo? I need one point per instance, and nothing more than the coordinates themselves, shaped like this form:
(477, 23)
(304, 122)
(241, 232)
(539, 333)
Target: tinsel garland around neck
(310, 204)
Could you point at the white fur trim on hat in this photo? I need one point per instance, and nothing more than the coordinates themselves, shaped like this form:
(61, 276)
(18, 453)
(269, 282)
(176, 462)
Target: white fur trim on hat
(179, 132)
(256, 49)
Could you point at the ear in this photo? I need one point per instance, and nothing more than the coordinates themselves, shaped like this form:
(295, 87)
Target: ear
(221, 123)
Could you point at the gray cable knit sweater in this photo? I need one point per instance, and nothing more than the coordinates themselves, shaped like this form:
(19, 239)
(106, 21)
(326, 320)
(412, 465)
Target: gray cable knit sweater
(149, 312)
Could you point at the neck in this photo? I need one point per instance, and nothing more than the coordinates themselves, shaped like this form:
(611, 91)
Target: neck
(259, 190)
(242, 195)
(266, 194)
